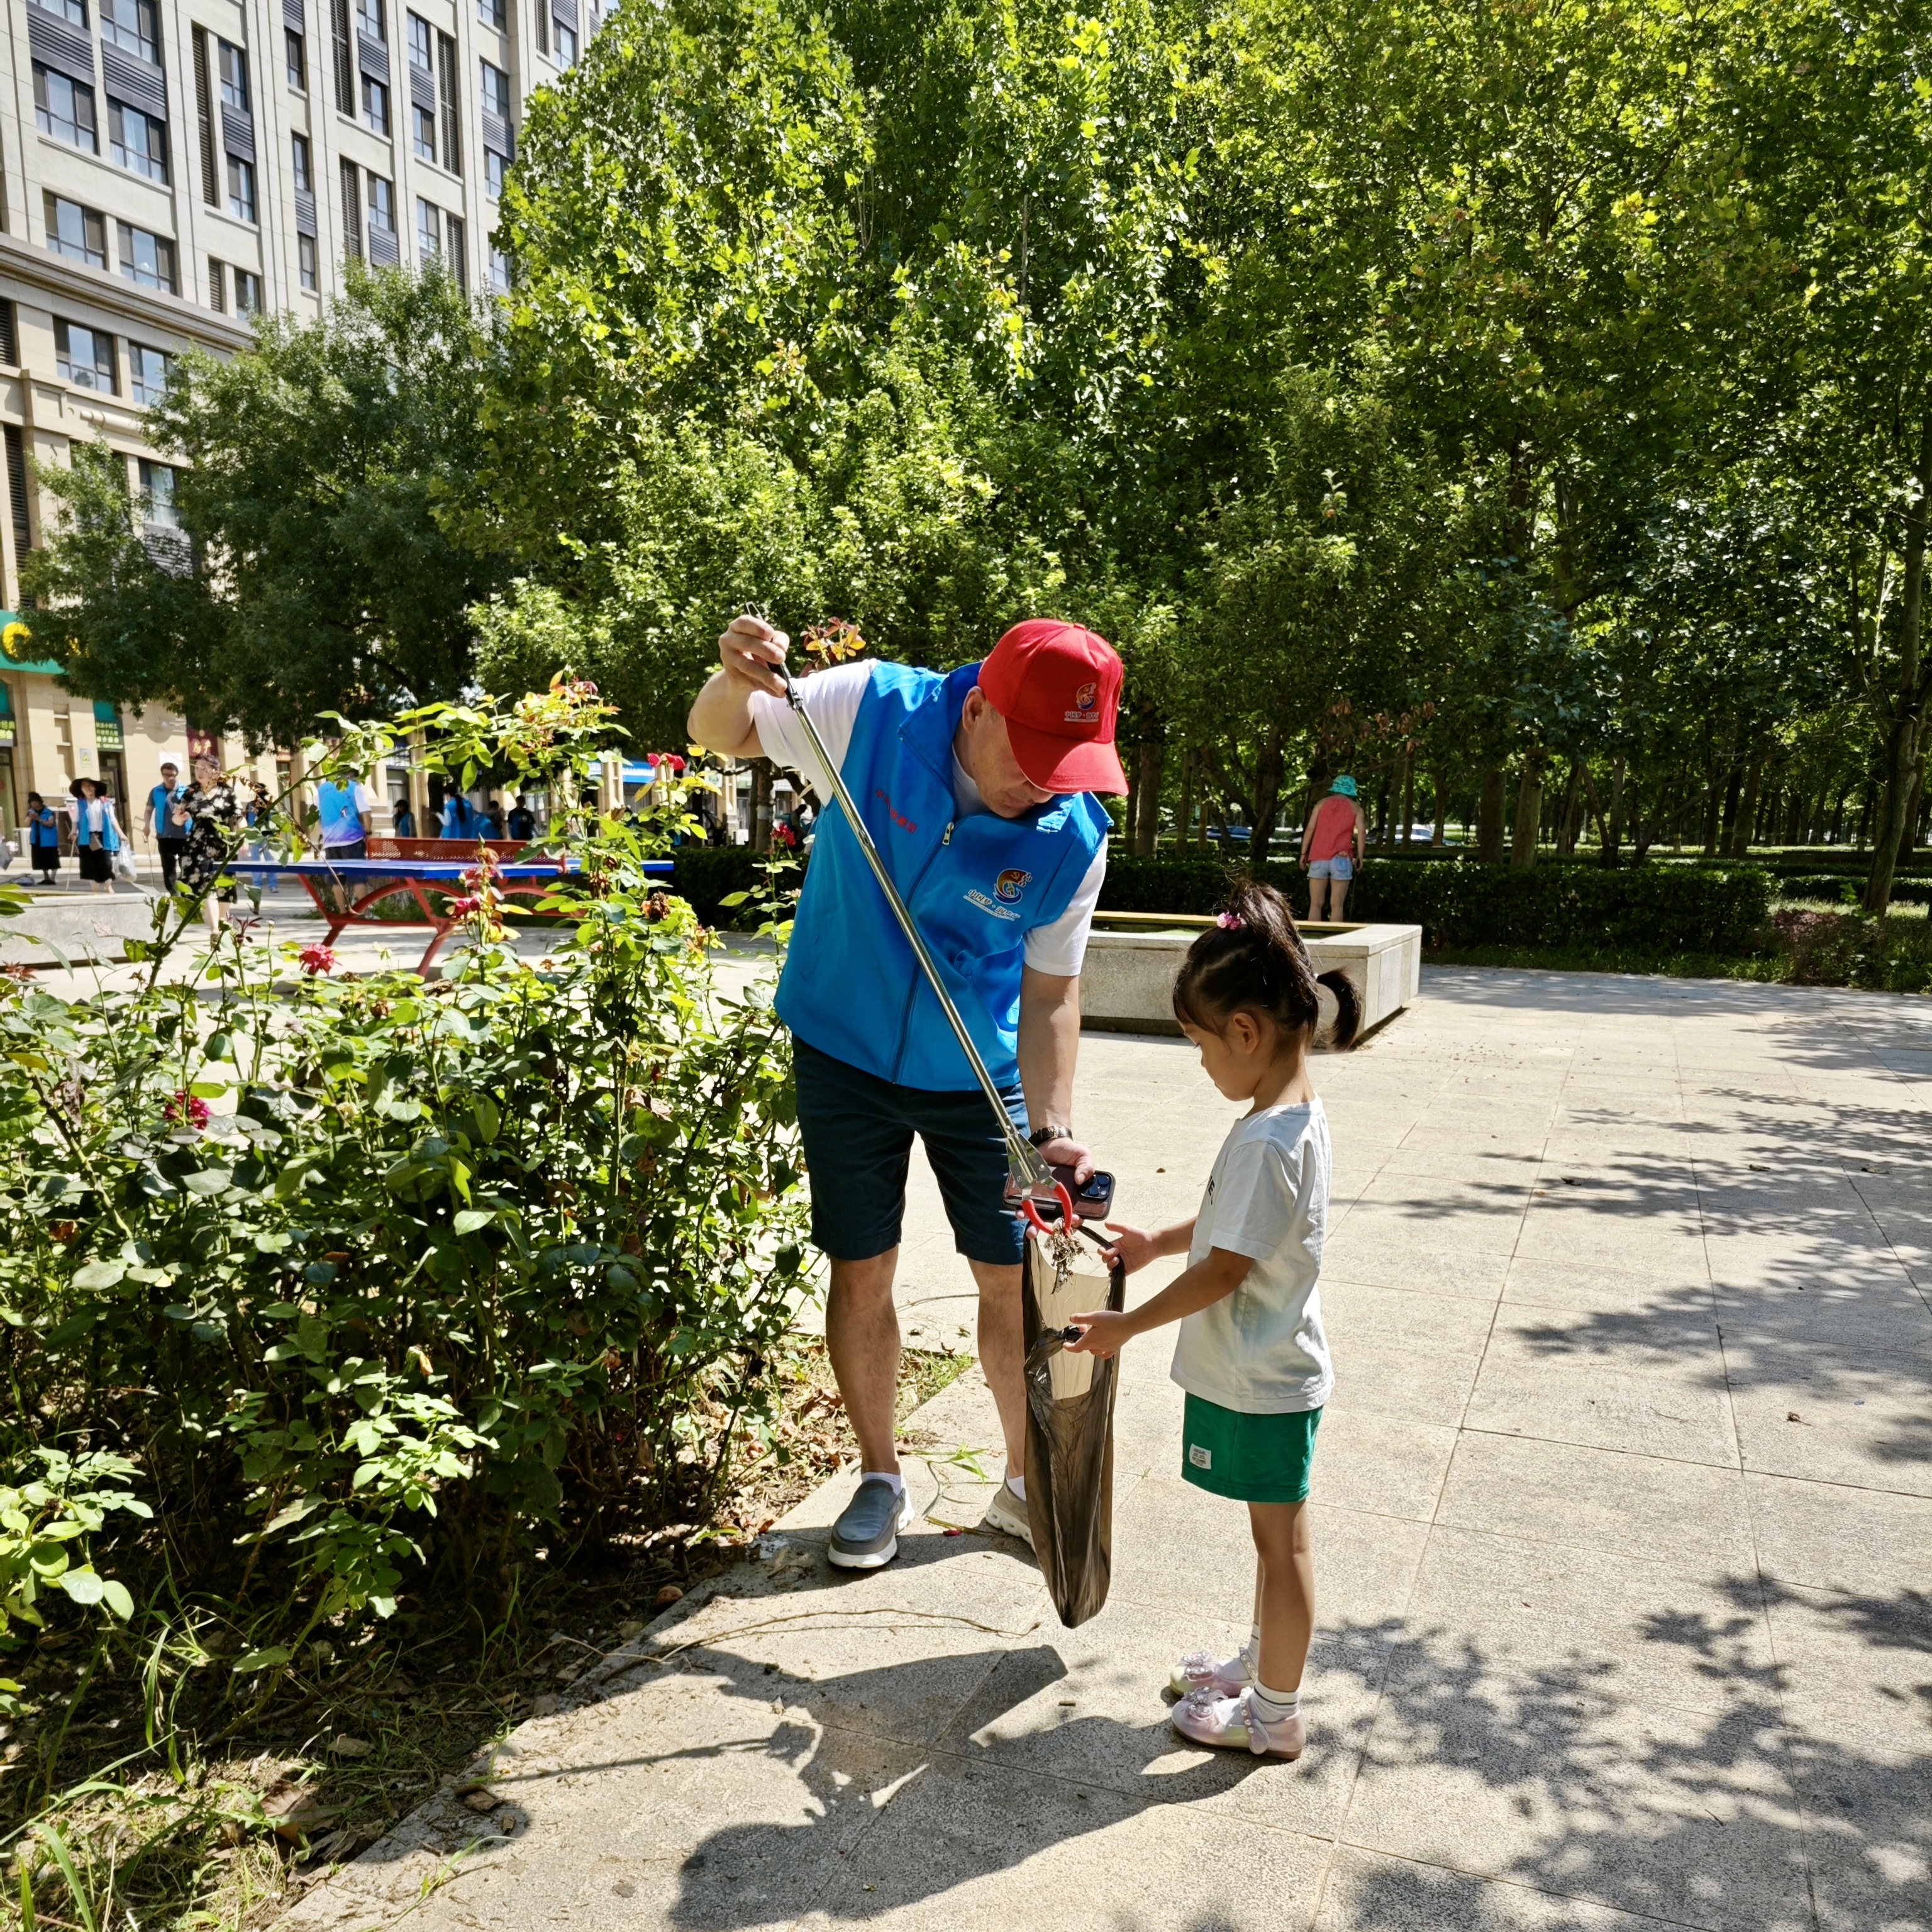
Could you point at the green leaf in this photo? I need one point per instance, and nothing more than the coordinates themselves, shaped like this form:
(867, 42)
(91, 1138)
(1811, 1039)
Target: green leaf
(261, 1660)
(84, 1586)
(118, 1600)
(99, 1274)
(208, 1182)
(468, 1220)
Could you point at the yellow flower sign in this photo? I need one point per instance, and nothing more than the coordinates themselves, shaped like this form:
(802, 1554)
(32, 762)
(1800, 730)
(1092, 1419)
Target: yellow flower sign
(15, 638)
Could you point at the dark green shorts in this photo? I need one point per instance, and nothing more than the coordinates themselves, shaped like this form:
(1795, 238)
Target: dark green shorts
(1254, 1459)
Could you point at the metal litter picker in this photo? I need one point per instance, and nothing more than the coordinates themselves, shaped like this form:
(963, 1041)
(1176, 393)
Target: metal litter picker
(1070, 1458)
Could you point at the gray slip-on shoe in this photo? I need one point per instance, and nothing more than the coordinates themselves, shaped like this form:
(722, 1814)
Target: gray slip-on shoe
(866, 1535)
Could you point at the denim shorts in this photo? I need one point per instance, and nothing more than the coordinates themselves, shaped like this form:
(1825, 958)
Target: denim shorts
(1342, 869)
(858, 1130)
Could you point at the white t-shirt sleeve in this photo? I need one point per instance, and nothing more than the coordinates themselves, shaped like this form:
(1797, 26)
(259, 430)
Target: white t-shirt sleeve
(831, 698)
(1255, 1206)
(1061, 947)
(365, 799)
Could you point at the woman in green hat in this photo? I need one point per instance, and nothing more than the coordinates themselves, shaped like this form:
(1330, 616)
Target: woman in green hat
(1331, 848)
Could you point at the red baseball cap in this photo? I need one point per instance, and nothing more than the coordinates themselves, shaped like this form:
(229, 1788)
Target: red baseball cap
(1058, 687)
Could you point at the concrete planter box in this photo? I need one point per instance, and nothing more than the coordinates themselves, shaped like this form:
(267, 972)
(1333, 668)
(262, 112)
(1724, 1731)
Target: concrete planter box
(1127, 983)
(91, 926)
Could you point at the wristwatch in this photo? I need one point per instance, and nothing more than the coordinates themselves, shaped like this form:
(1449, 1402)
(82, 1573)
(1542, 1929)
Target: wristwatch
(1040, 1136)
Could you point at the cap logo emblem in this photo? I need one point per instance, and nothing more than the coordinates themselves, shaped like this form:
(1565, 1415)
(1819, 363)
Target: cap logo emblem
(1009, 885)
(1085, 711)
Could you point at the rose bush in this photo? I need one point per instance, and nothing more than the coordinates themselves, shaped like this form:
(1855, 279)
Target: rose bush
(349, 1276)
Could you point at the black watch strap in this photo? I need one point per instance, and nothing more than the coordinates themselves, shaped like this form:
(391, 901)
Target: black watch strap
(1040, 1136)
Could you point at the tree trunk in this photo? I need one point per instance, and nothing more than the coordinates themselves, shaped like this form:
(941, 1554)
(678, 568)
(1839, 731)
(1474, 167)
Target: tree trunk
(1183, 828)
(1642, 831)
(1489, 815)
(1744, 820)
(1613, 833)
(1407, 796)
(761, 804)
(1904, 751)
(1439, 829)
(1566, 829)
(1714, 806)
(1267, 795)
(1149, 762)
(1528, 814)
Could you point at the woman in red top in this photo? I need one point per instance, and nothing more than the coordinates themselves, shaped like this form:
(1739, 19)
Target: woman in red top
(1331, 848)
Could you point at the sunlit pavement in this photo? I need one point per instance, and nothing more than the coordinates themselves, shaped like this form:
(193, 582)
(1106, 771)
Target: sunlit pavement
(1623, 1524)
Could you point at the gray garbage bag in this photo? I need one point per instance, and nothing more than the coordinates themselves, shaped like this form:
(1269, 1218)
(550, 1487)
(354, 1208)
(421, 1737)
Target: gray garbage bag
(1069, 1459)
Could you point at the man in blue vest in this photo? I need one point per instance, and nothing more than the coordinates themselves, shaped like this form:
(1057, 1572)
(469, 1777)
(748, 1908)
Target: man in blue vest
(977, 787)
(168, 823)
(345, 808)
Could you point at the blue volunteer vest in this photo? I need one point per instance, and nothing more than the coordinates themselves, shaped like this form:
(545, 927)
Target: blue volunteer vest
(335, 805)
(977, 885)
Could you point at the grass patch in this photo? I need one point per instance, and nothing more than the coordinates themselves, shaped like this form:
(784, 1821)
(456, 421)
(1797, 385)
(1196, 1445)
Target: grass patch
(111, 1816)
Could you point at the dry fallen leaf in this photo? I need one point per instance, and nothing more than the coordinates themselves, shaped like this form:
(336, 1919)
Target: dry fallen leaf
(670, 1594)
(481, 1800)
(343, 1745)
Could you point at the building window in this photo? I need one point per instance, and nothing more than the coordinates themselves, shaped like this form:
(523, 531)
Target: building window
(452, 123)
(64, 108)
(147, 374)
(429, 229)
(79, 233)
(375, 105)
(73, 12)
(204, 118)
(296, 55)
(494, 14)
(138, 141)
(247, 293)
(148, 259)
(298, 164)
(241, 189)
(158, 496)
(132, 24)
(566, 45)
(234, 77)
(369, 18)
(381, 206)
(84, 356)
(305, 261)
(495, 168)
(425, 133)
(452, 251)
(217, 286)
(495, 92)
(420, 44)
(499, 272)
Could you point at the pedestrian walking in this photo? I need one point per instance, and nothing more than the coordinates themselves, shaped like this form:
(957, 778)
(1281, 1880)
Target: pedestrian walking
(97, 837)
(523, 819)
(166, 823)
(1332, 847)
(977, 787)
(1251, 1354)
(216, 828)
(43, 838)
(346, 807)
(406, 821)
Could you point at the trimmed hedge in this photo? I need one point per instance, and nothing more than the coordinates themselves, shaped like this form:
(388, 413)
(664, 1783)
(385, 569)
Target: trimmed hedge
(1457, 903)
(1847, 888)
(1465, 904)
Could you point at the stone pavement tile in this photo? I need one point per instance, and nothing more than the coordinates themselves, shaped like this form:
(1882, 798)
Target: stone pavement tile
(1412, 1317)
(1652, 1234)
(1692, 1517)
(1088, 1708)
(1364, 1564)
(1366, 1892)
(1467, 1230)
(1610, 1289)
(1577, 1624)
(1635, 1382)
(1420, 1384)
(1412, 1262)
(1866, 1423)
(1869, 1833)
(1686, 1816)
(982, 1847)
(1828, 1536)
(1381, 1464)
(1865, 1653)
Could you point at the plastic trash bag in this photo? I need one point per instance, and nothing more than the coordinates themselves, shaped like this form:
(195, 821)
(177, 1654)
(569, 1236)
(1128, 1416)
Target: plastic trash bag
(1070, 1458)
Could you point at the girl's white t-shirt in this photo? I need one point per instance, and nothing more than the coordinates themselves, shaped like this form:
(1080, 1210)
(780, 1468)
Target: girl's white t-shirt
(1262, 1350)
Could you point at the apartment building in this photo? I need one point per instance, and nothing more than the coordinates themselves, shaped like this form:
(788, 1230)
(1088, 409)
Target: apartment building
(168, 168)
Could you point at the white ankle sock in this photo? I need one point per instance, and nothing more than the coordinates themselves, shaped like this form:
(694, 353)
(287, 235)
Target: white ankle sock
(1273, 1707)
(1018, 1485)
(1252, 1649)
(891, 1476)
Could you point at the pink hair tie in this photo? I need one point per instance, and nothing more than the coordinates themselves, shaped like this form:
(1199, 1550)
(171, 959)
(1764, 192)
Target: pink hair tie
(1229, 921)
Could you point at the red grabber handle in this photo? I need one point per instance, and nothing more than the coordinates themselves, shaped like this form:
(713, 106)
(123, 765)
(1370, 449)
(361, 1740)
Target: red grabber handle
(1046, 1227)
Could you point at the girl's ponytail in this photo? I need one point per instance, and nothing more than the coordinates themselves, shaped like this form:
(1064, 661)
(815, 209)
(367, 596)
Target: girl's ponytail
(1254, 957)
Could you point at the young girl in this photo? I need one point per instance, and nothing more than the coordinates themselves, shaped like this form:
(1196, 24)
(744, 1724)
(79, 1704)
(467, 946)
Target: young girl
(1251, 1354)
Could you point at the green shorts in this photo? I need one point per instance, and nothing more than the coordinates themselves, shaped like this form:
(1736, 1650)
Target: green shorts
(1254, 1459)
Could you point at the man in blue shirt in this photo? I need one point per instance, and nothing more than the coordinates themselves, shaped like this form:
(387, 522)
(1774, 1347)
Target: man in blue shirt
(976, 786)
(166, 823)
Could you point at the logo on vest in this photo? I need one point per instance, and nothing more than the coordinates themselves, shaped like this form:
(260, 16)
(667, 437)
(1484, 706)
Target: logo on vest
(1084, 711)
(1008, 886)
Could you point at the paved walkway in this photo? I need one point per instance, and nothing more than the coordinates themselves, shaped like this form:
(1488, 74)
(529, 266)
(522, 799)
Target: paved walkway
(1624, 1533)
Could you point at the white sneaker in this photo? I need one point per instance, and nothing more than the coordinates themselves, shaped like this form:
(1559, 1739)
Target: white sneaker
(1201, 1670)
(1229, 1723)
(1007, 1512)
